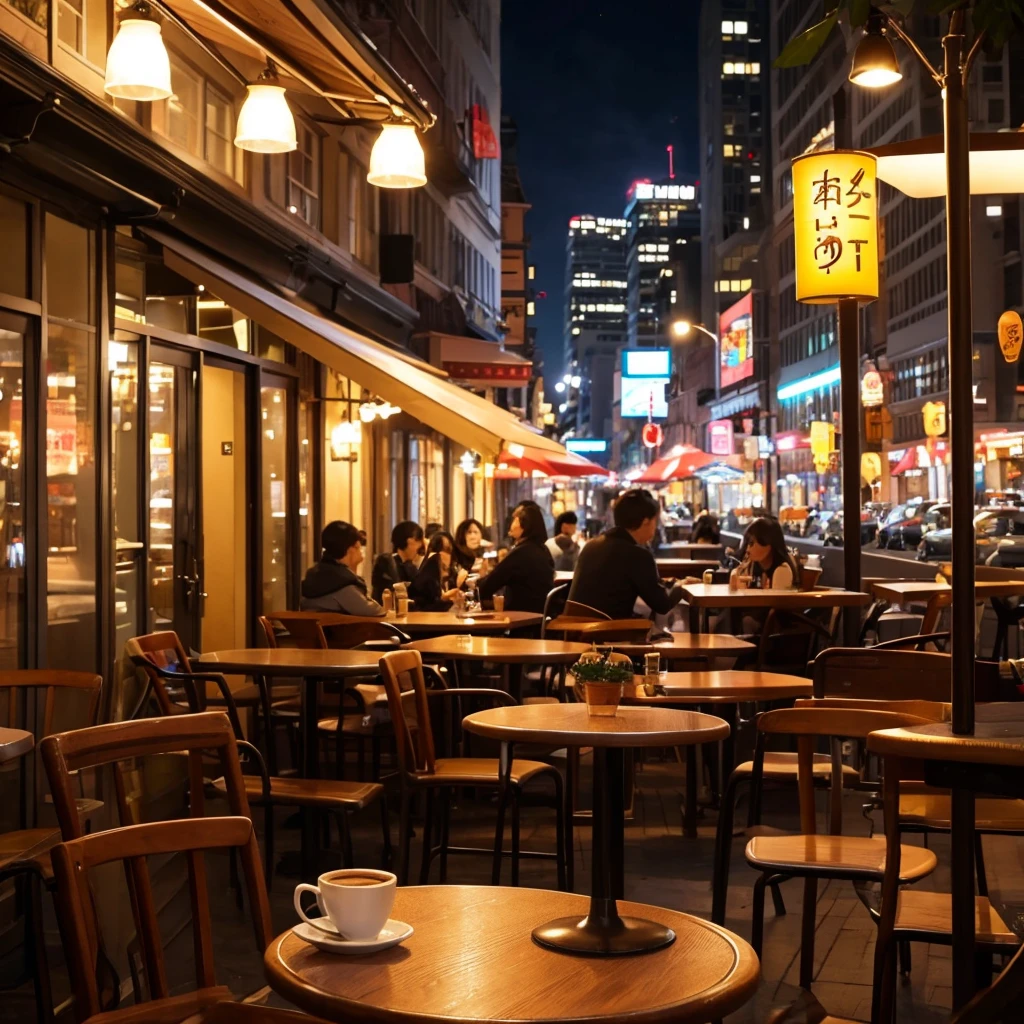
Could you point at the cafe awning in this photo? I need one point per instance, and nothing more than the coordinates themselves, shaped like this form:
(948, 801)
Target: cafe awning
(473, 359)
(399, 378)
(918, 457)
(680, 464)
(518, 463)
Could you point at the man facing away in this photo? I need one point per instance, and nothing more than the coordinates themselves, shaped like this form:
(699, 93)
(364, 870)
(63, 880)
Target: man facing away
(617, 568)
(334, 583)
(562, 544)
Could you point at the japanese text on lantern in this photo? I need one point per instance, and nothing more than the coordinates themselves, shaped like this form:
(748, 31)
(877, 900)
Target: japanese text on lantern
(835, 226)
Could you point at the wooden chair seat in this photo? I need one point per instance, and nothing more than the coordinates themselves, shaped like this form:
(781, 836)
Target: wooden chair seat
(931, 810)
(806, 1010)
(781, 764)
(930, 915)
(352, 725)
(848, 857)
(172, 1010)
(469, 771)
(33, 844)
(247, 695)
(326, 794)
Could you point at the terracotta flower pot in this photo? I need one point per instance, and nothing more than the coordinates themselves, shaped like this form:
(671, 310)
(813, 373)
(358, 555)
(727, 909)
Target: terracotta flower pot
(602, 698)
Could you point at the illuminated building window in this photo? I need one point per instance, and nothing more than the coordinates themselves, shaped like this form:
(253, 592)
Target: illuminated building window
(727, 67)
(531, 309)
(740, 28)
(727, 149)
(727, 28)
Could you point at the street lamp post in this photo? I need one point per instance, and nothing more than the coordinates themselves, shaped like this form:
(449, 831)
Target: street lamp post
(957, 62)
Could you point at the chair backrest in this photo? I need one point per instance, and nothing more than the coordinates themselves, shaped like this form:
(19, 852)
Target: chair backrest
(870, 674)
(934, 609)
(160, 650)
(269, 633)
(16, 682)
(65, 753)
(354, 634)
(303, 627)
(578, 610)
(74, 859)
(554, 603)
(813, 719)
(402, 672)
(627, 630)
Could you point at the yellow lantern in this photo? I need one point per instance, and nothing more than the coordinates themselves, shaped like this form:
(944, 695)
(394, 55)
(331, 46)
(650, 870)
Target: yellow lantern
(934, 415)
(823, 439)
(1011, 334)
(870, 467)
(835, 226)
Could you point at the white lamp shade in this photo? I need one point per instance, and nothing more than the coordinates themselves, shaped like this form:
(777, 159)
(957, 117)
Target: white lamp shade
(265, 122)
(137, 64)
(396, 160)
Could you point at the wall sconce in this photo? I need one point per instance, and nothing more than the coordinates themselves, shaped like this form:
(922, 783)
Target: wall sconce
(345, 439)
(369, 411)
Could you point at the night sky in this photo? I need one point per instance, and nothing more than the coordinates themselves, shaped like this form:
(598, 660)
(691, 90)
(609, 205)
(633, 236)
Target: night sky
(598, 89)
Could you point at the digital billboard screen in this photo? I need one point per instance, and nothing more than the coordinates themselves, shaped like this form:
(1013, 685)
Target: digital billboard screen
(643, 397)
(646, 362)
(736, 342)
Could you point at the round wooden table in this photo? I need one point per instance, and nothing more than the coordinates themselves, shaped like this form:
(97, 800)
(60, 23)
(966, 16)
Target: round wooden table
(15, 743)
(508, 650)
(728, 687)
(602, 932)
(687, 646)
(470, 959)
(443, 623)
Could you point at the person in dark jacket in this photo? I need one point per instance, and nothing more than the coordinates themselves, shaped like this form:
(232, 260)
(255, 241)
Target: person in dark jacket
(528, 572)
(706, 529)
(617, 568)
(435, 585)
(334, 583)
(404, 561)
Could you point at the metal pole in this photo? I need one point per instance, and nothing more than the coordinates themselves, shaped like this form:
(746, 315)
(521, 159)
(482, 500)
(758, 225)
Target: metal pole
(849, 371)
(961, 413)
(961, 375)
(848, 316)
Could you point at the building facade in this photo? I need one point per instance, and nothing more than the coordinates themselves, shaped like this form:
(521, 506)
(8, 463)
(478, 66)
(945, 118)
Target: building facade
(209, 353)
(596, 298)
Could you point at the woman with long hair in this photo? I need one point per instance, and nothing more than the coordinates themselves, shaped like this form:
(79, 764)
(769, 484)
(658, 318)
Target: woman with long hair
(470, 544)
(434, 587)
(765, 558)
(528, 572)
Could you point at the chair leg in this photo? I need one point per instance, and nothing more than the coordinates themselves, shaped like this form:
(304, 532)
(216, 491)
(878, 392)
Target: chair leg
(446, 819)
(979, 864)
(515, 836)
(903, 948)
(385, 827)
(36, 943)
(723, 851)
(810, 908)
(499, 835)
(233, 877)
(560, 845)
(345, 834)
(404, 838)
(757, 915)
(428, 837)
(777, 902)
(268, 844)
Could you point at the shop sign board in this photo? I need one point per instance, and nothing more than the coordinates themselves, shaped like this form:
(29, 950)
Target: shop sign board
(1011, 335)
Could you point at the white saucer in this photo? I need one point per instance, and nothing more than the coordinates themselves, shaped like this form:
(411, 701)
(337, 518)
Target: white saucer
(390, 935)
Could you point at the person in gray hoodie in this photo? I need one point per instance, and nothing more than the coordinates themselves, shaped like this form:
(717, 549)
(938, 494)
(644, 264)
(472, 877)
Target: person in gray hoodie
(334, 583)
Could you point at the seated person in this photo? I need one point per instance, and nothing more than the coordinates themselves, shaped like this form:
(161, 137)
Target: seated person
(404, 561)
(765, 558)
(617, 568)
(564, 554)
(434, 587)
(334, 584)
(706, 529)
(528, 572)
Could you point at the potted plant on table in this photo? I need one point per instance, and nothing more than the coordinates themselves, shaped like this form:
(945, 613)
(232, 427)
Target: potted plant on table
(602, 680)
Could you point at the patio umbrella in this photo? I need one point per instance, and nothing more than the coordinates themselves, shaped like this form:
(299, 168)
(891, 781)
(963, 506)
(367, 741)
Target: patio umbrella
(532, 460)
(719, 473)
(681, 463)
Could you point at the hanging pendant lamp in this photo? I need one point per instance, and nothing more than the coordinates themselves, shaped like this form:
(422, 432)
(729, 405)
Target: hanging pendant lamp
(396, 160)
(265, 122)
(138, 67)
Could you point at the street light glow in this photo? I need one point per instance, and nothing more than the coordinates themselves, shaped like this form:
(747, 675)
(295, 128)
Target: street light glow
(560, 386)
(681, 328)
(874, 62)
(575, 382)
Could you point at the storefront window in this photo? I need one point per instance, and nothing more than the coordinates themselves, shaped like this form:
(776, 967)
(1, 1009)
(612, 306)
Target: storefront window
(14, 253)
(123, 369)
(417, 488)
(70, 270)
(82, 27)
(217, 321)
(72, 529)
(163, 437)
(307, 543)
(274, 413)
(34, 10)
(13, 337)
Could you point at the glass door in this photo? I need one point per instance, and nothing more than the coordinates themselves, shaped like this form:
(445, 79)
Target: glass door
(175, 585)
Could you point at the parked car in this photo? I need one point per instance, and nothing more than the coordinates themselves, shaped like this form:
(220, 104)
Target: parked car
(911, 531)
(998, 537)
(891, 529)
(871, 515)
(887, 525)
(832, 529)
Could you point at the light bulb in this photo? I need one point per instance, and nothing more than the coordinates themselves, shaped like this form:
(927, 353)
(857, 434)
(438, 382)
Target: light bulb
(265, 122)
(138, 67)
(396, 160)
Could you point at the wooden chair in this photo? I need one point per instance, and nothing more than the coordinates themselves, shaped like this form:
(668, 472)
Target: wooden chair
(612, 630)
(811, 855)
(789, 640)
(576, 609)
(321, 796)
(554, 604)
(420, 769)
(24, 853)
(132, 845)
(917, 916)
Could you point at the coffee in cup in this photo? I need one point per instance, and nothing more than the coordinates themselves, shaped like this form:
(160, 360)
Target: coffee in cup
(499, 602)
(357, 901)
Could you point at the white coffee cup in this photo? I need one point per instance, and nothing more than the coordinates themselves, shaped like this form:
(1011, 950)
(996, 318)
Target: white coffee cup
(357, 901)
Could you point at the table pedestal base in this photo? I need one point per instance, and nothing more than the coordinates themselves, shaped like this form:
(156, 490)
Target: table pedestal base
(603, 933)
